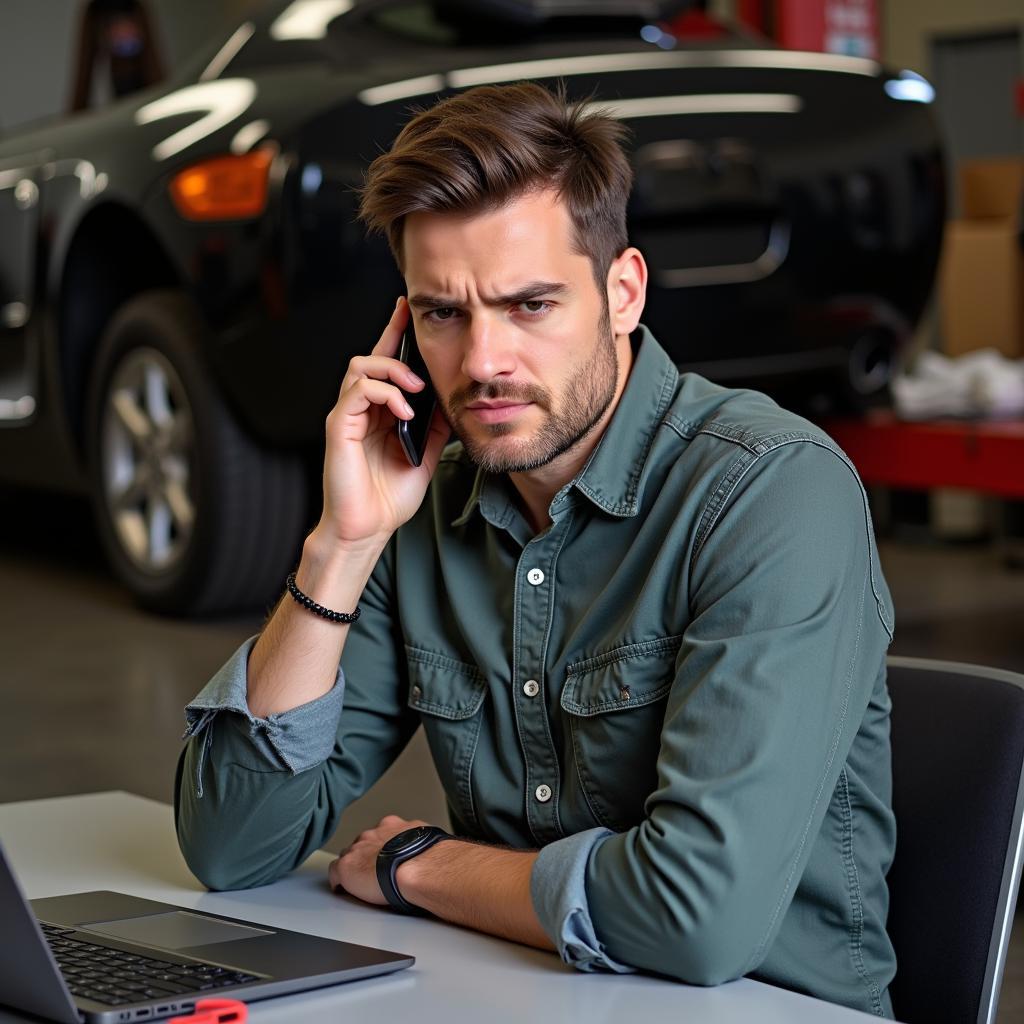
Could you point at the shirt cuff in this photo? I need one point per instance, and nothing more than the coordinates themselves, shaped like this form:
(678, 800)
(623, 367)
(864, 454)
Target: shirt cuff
(298, 739)
(559, 895)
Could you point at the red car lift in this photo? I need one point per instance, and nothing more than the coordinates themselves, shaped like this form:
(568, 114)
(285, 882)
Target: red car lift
(982, 455)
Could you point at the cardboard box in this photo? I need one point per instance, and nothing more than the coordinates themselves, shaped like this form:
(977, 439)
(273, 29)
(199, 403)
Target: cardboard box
(992, 188)
(981, 277)
(981, 286)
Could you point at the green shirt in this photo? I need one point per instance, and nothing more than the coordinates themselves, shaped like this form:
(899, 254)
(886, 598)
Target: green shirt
(677, 690)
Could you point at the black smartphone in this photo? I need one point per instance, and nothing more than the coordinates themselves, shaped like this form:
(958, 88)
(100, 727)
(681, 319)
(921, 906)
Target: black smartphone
(413, 433)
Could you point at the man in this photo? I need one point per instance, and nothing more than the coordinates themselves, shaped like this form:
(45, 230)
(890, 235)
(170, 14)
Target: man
(639, 616)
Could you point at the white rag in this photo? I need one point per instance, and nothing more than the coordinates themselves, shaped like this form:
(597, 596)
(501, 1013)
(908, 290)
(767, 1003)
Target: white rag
(982, 384)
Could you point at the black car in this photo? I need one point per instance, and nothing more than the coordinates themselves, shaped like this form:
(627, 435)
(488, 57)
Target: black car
(183, 278)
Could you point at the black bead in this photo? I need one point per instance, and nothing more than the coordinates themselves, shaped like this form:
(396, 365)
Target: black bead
(318, 609)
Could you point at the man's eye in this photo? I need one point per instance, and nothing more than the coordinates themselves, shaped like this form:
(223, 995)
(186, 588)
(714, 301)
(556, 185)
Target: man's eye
(442, 313)
(534, 305)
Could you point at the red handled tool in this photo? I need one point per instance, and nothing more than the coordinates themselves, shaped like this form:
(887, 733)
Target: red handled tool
(215, 1011)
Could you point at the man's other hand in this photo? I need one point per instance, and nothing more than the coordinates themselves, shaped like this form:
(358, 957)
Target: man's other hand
(355, 870)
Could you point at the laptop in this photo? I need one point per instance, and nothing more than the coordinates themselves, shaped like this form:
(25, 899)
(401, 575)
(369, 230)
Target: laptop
(109, 958)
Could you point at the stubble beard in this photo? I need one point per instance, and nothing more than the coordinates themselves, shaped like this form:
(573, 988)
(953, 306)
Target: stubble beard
(586, 399)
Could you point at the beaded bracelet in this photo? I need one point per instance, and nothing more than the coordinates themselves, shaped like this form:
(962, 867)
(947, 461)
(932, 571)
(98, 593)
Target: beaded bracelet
(318, 609)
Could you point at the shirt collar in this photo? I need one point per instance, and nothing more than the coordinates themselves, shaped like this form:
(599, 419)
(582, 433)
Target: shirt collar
(493, 501)
(612, 476)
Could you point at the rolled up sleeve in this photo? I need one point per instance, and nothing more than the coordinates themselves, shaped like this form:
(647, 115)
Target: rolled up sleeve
(295, 740)
(254, 797)
(558, 892)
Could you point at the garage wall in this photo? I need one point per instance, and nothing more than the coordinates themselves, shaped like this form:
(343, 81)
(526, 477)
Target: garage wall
(37, 40)
(908, 26)
(908, 30)
(34, 57)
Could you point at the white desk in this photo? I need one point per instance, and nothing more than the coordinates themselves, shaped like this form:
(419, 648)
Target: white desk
(126, 843)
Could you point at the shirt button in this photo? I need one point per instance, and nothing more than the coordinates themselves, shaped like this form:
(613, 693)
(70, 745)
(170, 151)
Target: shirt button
(531, 687)
(543, 794)
(417, 692)
(535, 576)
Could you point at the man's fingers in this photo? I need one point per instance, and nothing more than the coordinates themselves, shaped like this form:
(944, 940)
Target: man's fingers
(381, 368)
(381, 363)
(367, 392)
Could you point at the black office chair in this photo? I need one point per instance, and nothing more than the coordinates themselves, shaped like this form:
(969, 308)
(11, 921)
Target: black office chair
(958, 795)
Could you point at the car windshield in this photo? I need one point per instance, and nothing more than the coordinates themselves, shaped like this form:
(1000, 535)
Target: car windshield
(343, 31)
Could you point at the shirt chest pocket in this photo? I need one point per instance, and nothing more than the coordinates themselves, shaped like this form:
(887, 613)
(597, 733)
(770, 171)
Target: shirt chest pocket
(449, 695)
(615, 707)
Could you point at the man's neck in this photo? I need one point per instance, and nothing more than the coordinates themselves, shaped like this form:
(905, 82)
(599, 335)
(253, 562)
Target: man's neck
(536, 489)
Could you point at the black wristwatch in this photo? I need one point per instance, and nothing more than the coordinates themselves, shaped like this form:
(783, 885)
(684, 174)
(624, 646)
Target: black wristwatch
(396, 851)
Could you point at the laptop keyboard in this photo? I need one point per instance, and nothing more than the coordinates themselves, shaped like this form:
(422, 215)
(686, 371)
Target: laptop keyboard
(115, 977)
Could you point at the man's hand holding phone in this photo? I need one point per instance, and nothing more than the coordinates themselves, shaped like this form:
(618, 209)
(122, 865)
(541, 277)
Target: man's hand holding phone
(370, 489)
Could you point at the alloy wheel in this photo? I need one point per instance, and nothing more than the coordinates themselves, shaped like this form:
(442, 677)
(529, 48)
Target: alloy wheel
(147, 451)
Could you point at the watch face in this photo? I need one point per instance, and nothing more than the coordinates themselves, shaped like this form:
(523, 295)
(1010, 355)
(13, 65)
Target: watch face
(404, 839)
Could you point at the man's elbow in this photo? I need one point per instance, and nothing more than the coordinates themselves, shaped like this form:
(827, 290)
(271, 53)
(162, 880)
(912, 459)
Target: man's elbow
(697, 954)
(715, 963)
(218, 845)
(216, 873)
(220, 871)
(710, 963)
(216, 880)
(224, 855)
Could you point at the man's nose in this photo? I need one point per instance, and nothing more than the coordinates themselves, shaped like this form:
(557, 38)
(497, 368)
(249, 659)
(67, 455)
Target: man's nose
(489, 352)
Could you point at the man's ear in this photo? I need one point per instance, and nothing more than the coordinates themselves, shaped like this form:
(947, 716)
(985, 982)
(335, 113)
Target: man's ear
(627, 291)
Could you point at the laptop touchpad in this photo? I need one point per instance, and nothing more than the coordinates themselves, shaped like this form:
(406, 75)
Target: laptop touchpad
(175, 930)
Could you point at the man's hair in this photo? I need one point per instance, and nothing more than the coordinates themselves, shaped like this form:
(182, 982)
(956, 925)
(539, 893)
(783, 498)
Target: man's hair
(477, 151)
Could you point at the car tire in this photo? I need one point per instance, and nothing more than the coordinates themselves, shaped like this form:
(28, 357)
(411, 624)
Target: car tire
(195, 516)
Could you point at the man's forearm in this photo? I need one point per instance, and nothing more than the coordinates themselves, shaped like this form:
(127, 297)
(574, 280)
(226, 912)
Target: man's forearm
(481, 887)
(296, 658)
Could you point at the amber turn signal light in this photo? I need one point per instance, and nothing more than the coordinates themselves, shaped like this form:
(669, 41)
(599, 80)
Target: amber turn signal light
(224, 188)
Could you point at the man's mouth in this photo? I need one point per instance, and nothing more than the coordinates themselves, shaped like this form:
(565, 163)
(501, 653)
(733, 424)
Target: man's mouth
(496, 411)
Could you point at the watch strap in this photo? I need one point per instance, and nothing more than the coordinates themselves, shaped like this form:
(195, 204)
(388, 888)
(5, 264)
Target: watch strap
(418, 840)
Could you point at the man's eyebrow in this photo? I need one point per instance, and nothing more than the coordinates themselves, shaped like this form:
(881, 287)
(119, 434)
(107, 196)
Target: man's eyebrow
(533, 290)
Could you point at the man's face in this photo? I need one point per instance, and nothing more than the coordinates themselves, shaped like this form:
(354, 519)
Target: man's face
(513, 329)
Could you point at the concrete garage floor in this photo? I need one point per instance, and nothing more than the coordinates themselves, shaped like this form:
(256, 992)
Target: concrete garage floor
(92, 688)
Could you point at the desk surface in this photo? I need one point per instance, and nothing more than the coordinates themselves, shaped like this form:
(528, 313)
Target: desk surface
(127, 843)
